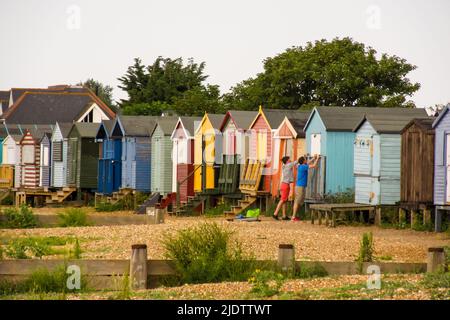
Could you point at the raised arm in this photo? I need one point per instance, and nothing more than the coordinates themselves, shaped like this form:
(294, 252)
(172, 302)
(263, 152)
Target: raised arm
(313, 162)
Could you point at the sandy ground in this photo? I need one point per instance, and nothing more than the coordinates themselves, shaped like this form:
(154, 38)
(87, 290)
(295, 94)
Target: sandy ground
(312, 242)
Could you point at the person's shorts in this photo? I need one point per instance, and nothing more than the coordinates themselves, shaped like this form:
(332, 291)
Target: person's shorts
(299, 195)
(285, 189)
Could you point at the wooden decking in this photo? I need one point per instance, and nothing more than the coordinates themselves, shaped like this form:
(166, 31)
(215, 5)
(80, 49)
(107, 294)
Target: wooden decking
(331, 210)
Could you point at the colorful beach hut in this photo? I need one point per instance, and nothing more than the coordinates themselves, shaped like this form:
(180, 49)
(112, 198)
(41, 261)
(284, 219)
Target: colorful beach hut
(82, 157)
(289, 140)
(109, 163)
(236, 148)
(441, 187)
(135, 132)
(207, 153)
(59, 148)
(162, 164)
(183, 156)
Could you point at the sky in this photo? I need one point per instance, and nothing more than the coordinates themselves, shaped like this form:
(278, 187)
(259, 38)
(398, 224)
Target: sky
(48, 42)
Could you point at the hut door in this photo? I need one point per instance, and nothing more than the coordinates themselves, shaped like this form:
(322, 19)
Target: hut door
(447, 164)
(315, 143)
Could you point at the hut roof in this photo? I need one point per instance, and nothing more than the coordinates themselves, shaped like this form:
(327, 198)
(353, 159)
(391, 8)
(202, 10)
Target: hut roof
(190, 124)
(86, 129)
(441, 115)
(65, 128)
(167, 124)
(242, 119)
(425, 124)
(215, 119)
(139, 126)
(391, 120)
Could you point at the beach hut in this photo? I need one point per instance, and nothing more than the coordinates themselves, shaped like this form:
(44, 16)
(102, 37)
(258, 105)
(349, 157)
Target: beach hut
(10, 137)
(235, 148)
(441, 187)
(135, 132)
(329, 134)
(109, 163)
(417, 166)
(161, 160)
(44, 160)
(207, 153)
(377, 154)
(289, 140)
(30, 155)
(59, 145)
(183, 156)
(259, 169)
(10, 168)
(82, 157)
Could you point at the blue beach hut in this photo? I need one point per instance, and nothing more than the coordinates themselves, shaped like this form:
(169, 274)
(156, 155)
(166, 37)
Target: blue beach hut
(135, 135)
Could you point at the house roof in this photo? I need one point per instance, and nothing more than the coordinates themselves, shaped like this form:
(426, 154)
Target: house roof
(391, 120)
(425, 124)
(45, 106)
(190, 124)
(141, 126)
(242, 119)
(85, 129)
(167, 124)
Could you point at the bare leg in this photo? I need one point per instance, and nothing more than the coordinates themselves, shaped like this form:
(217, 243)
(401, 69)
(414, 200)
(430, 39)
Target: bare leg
(284, 210)
(278, 207)
(294, 210)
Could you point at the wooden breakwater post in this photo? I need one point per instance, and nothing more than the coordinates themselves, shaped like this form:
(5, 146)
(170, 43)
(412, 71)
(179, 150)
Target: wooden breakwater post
(436, 259)
(286, 257)
(138, 267)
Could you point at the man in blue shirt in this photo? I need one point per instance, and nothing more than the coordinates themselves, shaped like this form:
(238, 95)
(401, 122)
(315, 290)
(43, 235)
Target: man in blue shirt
(301, 182)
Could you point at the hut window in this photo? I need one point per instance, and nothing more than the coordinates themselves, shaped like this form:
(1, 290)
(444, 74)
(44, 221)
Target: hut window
(28, 154)
(44, 156)
(315, 143)
(57, 151)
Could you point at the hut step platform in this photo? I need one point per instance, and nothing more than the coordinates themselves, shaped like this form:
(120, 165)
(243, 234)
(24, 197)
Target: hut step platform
(331, 210)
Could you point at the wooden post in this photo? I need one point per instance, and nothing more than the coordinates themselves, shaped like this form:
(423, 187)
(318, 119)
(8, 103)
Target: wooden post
(378, 216)
(327, 218)
(436, 259)
(319, 213)
(426, 216)
(437, 220)
(286, 257)
(333, 218)
(313, 212)
(138, 267)
(401, 215)
(413, 218)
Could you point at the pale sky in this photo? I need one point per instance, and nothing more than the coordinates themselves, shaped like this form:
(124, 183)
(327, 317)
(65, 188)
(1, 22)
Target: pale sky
(47, 42)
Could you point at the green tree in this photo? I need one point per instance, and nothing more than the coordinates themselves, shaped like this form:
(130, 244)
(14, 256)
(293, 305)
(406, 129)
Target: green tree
(340, 72)
(197, 101)
(163, 84)
(104, 92)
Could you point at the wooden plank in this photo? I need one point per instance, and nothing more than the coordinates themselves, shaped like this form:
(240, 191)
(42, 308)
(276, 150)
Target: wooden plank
(88, 267)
